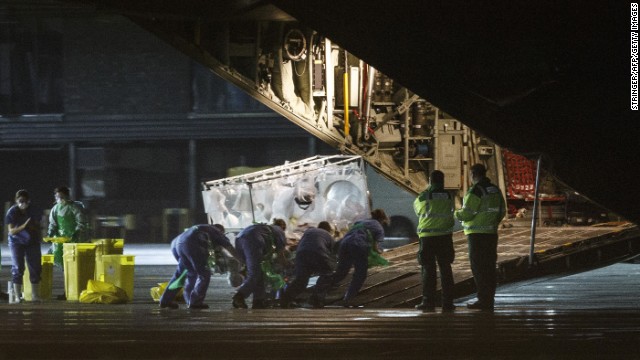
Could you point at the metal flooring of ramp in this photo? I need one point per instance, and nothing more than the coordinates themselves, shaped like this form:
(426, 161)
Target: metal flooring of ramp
(558, 251)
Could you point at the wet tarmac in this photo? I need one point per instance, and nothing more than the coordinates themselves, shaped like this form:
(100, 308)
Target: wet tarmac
(591, 315)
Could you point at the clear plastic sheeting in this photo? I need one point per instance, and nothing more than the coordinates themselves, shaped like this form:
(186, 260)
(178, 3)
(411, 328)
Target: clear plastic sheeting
(303, 193)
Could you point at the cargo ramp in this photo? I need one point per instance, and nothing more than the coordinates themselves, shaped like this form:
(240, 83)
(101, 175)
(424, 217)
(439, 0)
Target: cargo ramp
(559, 251)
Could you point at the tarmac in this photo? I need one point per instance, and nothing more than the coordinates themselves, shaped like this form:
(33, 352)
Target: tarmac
(590, 315)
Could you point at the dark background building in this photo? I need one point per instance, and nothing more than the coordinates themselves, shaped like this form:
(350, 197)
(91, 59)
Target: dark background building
(132, 125)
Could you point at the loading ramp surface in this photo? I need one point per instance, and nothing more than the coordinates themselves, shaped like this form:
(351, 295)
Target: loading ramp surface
(548, 319)
(591, 315)
(558, 251)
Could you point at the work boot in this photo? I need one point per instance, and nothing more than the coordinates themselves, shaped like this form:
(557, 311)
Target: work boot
(35, 293)
(238, 301)
(199, 306)
(348, 303)
(259, 304)
(170, 305)
(425, 307)
(480, 306)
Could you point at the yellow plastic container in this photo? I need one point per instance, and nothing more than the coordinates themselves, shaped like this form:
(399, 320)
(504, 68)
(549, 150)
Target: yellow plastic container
(118, 270)
(106, 247)
(46, 280)
(79, 267)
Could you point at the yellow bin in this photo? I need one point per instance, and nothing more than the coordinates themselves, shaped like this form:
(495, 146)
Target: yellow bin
(79, 267)
(46, 279)
(106, 247)
(118, 270)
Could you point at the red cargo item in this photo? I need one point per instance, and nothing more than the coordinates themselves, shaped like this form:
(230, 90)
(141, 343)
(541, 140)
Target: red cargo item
(521, 176)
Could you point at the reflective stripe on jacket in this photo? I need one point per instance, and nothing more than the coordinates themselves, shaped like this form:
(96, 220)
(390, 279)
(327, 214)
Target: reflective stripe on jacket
(482, 208)
(434, 208)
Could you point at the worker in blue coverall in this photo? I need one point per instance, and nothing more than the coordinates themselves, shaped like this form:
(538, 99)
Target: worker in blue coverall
(192, 249)
(313, 256)
(255, 244)
(23, 222)
(363, 237)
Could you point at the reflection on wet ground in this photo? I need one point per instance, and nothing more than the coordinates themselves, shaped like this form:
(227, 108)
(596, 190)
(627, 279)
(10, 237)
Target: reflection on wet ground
(589, 315)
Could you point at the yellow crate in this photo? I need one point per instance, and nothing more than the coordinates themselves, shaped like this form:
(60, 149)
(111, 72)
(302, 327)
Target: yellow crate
(46, 279)
(79, 267)
(118, 270)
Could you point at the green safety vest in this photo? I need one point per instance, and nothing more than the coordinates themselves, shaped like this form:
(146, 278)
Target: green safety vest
(434, 208)
(482, 209)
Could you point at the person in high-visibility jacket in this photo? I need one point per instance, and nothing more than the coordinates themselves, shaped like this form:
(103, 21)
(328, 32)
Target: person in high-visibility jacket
(482, 211)
(434, 208)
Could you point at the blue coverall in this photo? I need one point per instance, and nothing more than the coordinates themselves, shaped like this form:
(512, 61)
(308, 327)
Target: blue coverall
(313, 256)
(25, 244)
(252, 246)
(191, 250)
(354, 251)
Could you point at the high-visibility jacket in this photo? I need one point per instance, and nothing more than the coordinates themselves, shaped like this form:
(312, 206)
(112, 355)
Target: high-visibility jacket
(434, 208)
(483, 207)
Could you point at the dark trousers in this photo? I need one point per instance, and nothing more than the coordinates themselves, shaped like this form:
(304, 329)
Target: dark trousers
(194, 260)
(437, 250)
(348, 255)
(307, 264)
(254, 282)
(483, 254)
(32, 254)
